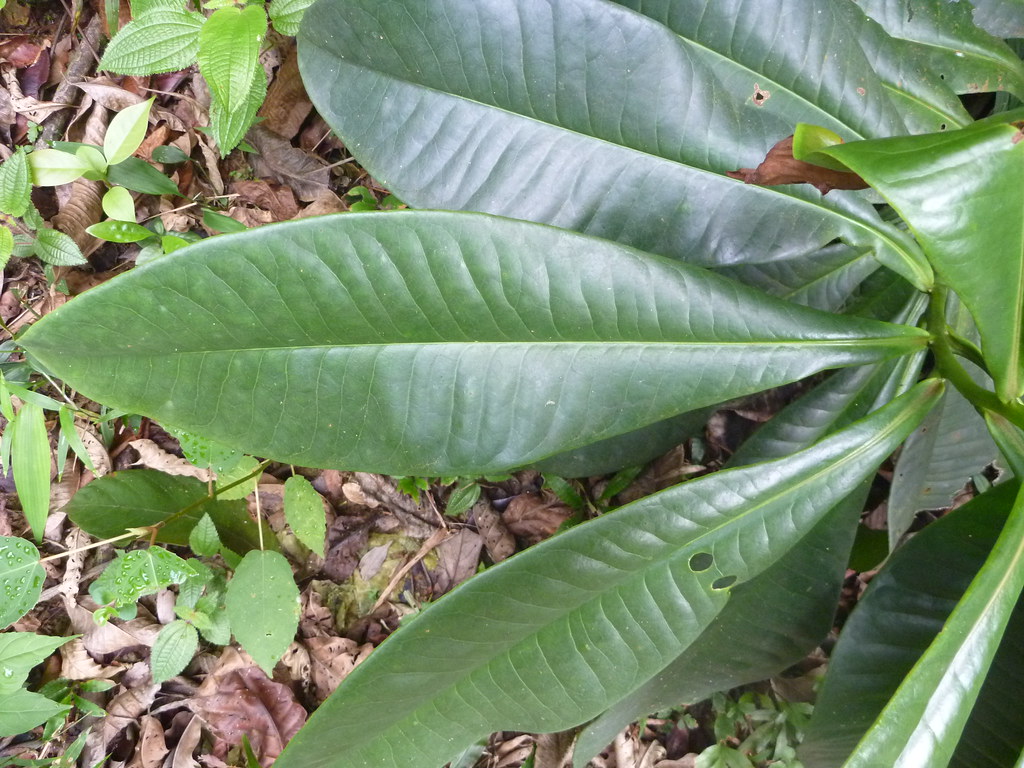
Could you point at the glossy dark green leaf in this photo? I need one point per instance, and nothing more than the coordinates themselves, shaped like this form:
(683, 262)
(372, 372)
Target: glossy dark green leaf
(965, 210)
(553, 636)
(21, 578)
(139, 498)
(898, 618)
(432, 343)
(587, 116)
(140, 176)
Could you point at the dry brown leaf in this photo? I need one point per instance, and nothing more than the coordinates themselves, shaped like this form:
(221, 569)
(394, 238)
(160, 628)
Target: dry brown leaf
(279, 161)
(77, 664)
(123, 711)
(82, 209)
(21, 51)
(278, 200)
(250, 217)
(187, 744)
(287, 105)
(152, 456)
(457, 559)
(780, 167)
(325, 203)
(533, 517)
(248, 703)
(151, 748)
(497, 538)
(331, 661)
(416, 519)
(157, 137)
(554, 750)
(108, 95)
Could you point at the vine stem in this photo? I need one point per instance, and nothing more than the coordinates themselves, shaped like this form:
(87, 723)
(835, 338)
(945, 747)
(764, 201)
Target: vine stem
(87, 547)
(949, 367)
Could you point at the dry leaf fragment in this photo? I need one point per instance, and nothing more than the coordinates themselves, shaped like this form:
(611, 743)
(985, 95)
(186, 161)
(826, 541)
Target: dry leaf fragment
(248, 703)
(780, 167)
(534, 518)
(331, 661)
(497, 538)
(21, 51)
(457, 559)
(151, 748)
(279, 161)
(287, 106)
(152, 456)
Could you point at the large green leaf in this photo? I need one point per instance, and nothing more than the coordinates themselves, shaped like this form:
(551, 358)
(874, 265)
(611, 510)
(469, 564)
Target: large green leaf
(432, 343)
(580, 114)
(898, 618)
(555, 635)
(960, 193)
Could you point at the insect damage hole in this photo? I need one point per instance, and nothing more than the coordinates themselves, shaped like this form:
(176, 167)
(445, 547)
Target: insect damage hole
(724, 582)
(701, 561)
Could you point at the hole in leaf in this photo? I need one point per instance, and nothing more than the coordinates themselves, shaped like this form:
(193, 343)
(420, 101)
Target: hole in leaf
(701, 561)
(942, 126)
(723, 583)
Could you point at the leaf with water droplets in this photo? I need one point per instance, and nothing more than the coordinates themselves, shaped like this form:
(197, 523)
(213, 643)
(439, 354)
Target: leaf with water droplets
(21, 578)
(137, 573)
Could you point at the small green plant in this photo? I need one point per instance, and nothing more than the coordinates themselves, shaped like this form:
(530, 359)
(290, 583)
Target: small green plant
(164, 36)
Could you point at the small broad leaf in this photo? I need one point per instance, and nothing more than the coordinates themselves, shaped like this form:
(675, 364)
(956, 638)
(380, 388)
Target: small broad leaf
(218, 222)
(521, 368)
(229, 48)
(246, 466)
(21, 578)
(23, 710)
(119, 231)
(159, 39)
(140, 176)
(140, 498)
(93, 158)
(126, 132)
(6, 245)
(207, 453)
(263, 607)
(19, 652)
(56, 248)
(15, 185)
(304, 511)
(138, 573)
(582, 619)
(118, 204)
(462, 499)
(173, 649)
(51, 167)
(286, 15)
(203, 538)
(30, 460)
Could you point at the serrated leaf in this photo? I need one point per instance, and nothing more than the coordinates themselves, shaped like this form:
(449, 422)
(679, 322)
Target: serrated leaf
(173, 649)
(229, 49)
(246, 465)
(462, 499)
(6, 245)
(118, 204)
(140, 176)
(207, 453)
(30, 461)
(230, 126)
(203, 538)
(15, 185)
(21, 578)
(140, 498)
(286, 15)
(126, 131)
(667, 109)
(56, 248)
(19, 652)
(520, 369)
(23, 710)
(263, 607)
(51, 167)
(575, 623)
(159, 39)
(304, 511)
(137, 573)
(119, 231)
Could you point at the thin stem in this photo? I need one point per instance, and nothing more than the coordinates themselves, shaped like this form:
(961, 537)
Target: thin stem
(88, 547)
(950, 368)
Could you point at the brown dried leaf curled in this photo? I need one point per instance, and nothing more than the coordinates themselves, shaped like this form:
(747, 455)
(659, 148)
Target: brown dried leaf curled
(780, 167)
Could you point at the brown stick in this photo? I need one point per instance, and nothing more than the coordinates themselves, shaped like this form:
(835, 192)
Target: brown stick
(82, 61)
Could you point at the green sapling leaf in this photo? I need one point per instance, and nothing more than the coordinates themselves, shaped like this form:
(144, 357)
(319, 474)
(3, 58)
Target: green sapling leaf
(119, 231)
(126, 132)
(245, 466)
(57, 249)
(218, 222)
(207, 453)
(230, 126)
(30, 460)
(203, 538)
(51, 167)
(23, 710)
(263, 606)
(140, 176)
(95, 161)
(140, 572)
(286, 15)
(173, 649)
(229, 49)
(19, 652)
(118, 204)
(158, 40)
(6, 245)
(304, 511)
(21, 578)
(462, 499)
(15, 185)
